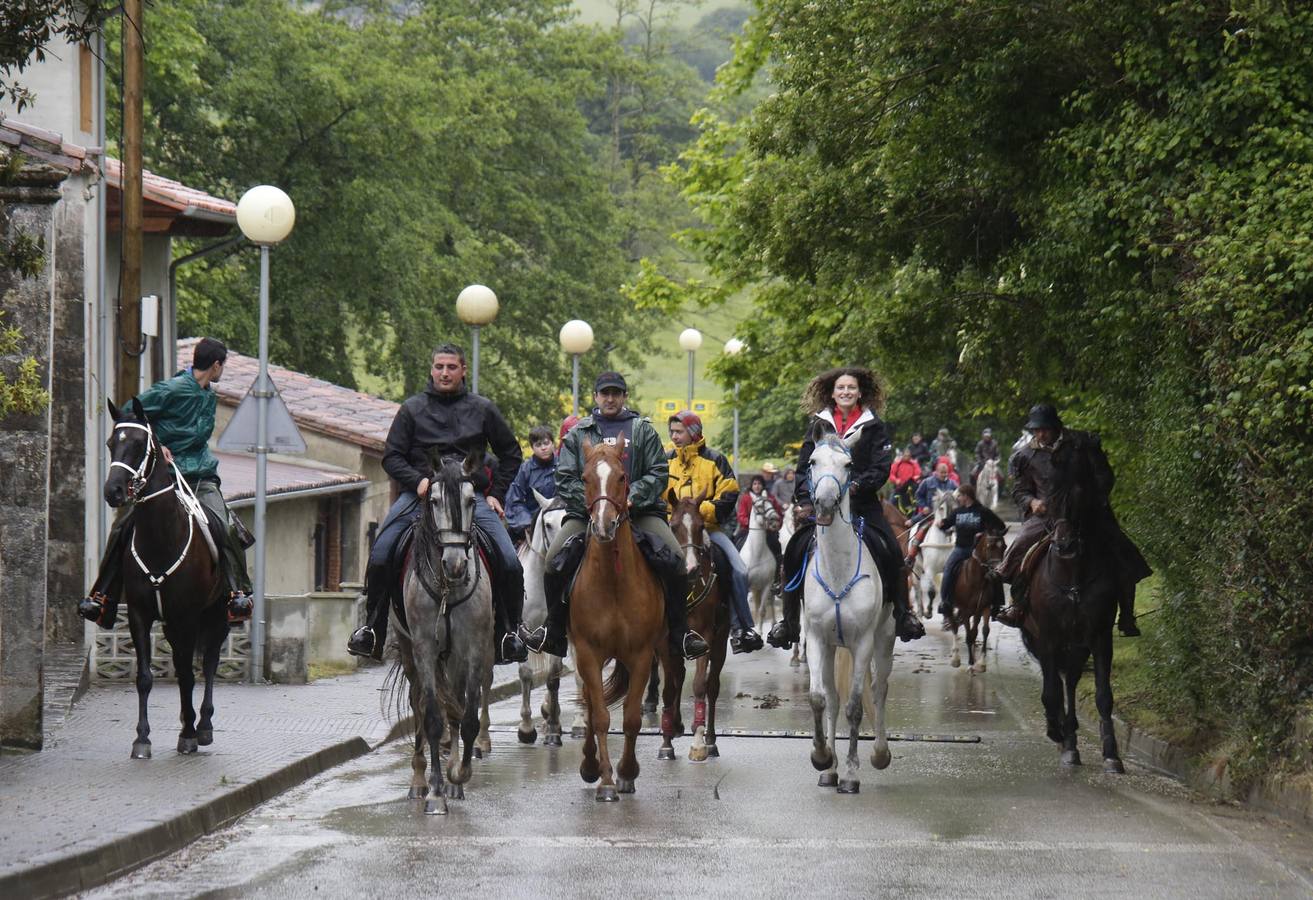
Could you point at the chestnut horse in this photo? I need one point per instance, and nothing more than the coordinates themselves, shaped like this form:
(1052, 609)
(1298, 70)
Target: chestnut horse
(617, 612)
(973, 598)
(708, 614)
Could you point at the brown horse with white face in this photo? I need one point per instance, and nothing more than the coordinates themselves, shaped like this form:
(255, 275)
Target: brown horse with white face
(973, 597)
(617, 612)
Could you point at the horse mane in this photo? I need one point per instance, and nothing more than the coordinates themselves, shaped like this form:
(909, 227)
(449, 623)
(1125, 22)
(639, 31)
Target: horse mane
(1070, 491)
(451, 474)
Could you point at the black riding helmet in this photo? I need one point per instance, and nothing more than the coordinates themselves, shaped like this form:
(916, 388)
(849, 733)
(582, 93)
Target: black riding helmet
(1043, 415)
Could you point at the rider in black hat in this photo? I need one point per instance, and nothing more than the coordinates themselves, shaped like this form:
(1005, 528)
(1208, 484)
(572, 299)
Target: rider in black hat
(1039, 470)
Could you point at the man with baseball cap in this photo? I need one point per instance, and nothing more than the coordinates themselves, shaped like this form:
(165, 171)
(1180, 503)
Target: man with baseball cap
(611, 422)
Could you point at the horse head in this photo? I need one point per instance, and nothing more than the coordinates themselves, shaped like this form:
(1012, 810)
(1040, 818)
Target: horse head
(133, 454)
(548, 521)
(764, 514)
(451, 512)
(691, 530)
(989, 548)
(945, 504)
(606, 489)
(830, 473)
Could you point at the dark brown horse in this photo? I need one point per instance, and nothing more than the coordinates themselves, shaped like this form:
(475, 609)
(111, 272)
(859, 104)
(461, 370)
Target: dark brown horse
(169, 574)
(707, 614)
(973, 598)
(1074, 586)
(617, 612)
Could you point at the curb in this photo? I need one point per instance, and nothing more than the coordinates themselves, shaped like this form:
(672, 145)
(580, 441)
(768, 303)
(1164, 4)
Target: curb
(89, 867)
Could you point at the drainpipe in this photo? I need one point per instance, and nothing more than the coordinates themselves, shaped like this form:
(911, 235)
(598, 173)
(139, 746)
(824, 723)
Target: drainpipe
(102, 337)
(171, 352)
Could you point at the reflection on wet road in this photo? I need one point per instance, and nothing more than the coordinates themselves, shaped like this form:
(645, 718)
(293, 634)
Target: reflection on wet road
(955, 817)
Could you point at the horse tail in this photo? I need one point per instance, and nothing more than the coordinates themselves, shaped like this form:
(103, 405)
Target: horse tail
(395, 696)
(617, 685)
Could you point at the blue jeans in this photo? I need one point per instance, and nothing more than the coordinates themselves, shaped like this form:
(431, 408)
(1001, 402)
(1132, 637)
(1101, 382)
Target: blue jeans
(948, 583)
(406, 510)
(740, 614)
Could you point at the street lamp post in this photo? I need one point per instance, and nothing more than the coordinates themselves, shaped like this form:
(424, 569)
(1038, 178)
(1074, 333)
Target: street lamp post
(690, 339)
(265, 215)
(576, 337)
(476, 306)
(733, 347)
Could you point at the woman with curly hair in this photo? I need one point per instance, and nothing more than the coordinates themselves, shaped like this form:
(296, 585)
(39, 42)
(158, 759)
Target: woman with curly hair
(842, 401)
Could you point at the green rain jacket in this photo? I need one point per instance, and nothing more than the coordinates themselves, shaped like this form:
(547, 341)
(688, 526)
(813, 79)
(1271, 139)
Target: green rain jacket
(182, 414)
(649, 473)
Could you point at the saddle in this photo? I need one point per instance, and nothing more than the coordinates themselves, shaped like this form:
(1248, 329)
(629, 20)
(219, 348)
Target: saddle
(660, 559)
(1031, 560)
(401, 556)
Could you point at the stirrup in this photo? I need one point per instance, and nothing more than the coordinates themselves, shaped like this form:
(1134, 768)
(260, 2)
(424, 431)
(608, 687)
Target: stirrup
(535, 639)
(517, 652)
(693, 646)
(361, 642)
(93, 608)
(1012, 616)
(240, 608)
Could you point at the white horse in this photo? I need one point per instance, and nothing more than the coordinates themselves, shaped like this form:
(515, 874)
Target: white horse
(936, 547)
(787, 529)
(987, 484)
(844, 604)
(758, 559)
(533, 558)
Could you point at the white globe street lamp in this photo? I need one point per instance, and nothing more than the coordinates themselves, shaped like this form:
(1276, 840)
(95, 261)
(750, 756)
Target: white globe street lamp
(690, 339)
(476, 306)
(576, 337)
(733, 347)
(265, 215)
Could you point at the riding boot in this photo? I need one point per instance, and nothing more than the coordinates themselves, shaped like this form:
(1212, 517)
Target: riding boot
(1126, 615)
(102, 605)
(906, 625)
(508, 604)
(552, 636)
(233, 570)
(368, 640)
(683, 640)
(1015, 614)
(788, 630)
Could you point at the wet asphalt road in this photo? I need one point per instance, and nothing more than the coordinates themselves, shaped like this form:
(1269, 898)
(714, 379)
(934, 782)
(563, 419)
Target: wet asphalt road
(995, 818)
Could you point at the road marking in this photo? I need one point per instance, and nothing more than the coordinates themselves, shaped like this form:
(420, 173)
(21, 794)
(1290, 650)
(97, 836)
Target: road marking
(759, 733)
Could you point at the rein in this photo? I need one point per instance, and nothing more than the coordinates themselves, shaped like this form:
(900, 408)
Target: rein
(432, 575)
(698, 594)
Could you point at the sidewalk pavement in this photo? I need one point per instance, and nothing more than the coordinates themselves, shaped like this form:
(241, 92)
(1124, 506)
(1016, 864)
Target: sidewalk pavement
(81, 812)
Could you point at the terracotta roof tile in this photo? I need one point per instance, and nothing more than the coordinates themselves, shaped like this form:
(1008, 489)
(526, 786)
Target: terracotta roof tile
(237, 472)
(318, 405)
(173, 194)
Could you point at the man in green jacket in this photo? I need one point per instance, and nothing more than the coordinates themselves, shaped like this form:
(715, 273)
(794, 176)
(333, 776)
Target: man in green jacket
(181, 413)
(649, 476)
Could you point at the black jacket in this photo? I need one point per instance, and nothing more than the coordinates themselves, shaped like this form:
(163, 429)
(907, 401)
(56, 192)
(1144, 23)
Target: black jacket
(450, 425)
(1034, 469)
(873, 454)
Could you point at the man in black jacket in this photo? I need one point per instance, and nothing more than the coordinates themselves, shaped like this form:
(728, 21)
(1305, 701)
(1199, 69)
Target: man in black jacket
(446, 420)
(1038, 472)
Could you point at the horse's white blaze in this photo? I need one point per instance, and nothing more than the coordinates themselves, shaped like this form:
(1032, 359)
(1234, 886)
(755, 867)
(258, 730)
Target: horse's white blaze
(690, 552)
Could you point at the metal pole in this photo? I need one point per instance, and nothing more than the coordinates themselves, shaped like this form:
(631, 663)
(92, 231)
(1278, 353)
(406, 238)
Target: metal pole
(574, 390)
(262, 393)
(475, 380)
(736, 429)
(130, 342)
(690, 380)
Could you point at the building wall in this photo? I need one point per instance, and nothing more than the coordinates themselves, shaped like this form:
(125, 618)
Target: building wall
(290, 544)
(63, 97)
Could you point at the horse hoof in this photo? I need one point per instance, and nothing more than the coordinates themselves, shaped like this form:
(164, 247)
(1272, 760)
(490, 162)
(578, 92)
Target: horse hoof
(794, 663)
(576, 731)
(479, 752)
(417, 793)
(1071, 757)
(955, 663)
(141, 750)
(850, 787)
(649, 709)
(822, 760)
(828, 779)
(455, 791)
(697, 754)
(607, 794)
(978, 669)
(666, 753)
(713, 751)
(1054, 734)
(187, 745)
(552, 740)
(527, 737)
(625, 785)
(880, 758)
(589, 773)
(436, 806)
(1113, 767)
(205, 736)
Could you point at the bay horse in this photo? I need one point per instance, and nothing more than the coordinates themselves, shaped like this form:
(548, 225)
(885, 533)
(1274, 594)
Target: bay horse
(973, 599)
(446, 643)
(987, 484)
(170, 573)
(903, 528)
(708, 614)
(1072, 602)
(845, 606)
(533, 558)
(617, 612)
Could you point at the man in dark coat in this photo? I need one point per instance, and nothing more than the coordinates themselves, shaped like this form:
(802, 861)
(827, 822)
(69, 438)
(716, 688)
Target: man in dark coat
(1038, 471)
(446, 421)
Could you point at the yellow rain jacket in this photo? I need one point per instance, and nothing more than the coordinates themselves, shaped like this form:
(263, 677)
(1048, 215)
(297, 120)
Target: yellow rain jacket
(697, 469)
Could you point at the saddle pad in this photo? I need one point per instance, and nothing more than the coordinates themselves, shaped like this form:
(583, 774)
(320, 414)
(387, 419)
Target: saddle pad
(403, 557)
(1033, 555)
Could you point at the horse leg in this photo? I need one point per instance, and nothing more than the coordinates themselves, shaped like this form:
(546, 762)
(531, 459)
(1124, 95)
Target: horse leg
(1051, 696)
(851, 783)
(470, 731)
(1075, 665)
(216, 632)
(552, 706)
(973, 625)
(883, 664)
(596, 718)
(697, 751)
(1112, 761)
(956, 659)
(139, 625)
(653, 686)
(434, 718)
(672, 692)
(483, 742)
(984, 636)
(184, 652)
(580, 723)
(713, 694)
(633, 721)
(527, 733)
(822, 755)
